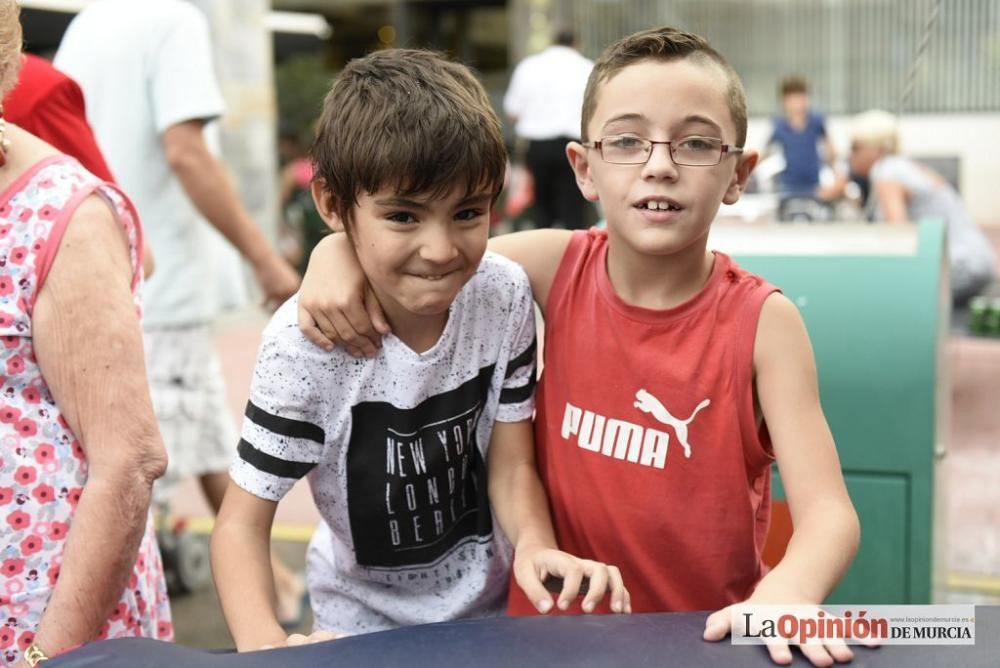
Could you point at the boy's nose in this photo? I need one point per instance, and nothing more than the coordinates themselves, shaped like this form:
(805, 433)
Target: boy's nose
(437, 245)
(660, 164)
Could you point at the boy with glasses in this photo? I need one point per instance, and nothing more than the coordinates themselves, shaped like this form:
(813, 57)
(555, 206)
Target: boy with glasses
(409, 159)
(673, 378)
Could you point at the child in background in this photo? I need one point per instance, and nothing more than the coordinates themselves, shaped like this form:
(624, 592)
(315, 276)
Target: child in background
(673, 378)
(798, 134)
(409, 159)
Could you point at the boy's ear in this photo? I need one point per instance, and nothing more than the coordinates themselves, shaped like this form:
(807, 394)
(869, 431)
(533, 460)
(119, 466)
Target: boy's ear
(324, 205)
(579, 160)
(744, 167)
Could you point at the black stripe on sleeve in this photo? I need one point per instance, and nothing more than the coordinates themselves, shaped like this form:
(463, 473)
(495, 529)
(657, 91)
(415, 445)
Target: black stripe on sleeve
(271, 464)
(515, 395)
(284, 426)
(527, 357)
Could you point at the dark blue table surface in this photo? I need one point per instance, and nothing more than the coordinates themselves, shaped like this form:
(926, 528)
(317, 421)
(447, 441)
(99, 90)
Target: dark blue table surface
(635, 641)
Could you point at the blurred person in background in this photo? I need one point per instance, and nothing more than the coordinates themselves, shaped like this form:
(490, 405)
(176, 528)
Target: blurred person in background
(79, 446)
(798, 134)
(904, 190)
(303, 227)
(544, 101)
(49, 105)
(147, 75)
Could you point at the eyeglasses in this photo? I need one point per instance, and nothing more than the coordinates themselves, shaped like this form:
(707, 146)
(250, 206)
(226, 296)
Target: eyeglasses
(690, 151)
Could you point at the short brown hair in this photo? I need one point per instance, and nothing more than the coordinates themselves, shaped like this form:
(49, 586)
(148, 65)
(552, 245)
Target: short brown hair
(792, 84)
(411, 120)
(664, 44)
(10, 46)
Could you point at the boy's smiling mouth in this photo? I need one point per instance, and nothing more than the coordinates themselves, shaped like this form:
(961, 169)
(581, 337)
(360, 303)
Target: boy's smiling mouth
(658, 204)
(658, 209)
(436, 276)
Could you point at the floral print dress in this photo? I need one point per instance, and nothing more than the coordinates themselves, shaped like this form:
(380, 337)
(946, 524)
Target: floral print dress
(43, 468)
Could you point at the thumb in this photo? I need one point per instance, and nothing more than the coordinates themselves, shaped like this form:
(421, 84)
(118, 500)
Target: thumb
(717, 625)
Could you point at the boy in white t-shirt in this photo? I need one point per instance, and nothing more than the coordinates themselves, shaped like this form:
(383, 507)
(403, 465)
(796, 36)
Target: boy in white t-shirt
(409, 159)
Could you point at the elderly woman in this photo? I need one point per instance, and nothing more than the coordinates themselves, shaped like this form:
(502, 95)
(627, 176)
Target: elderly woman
(79, 447)
(905, 190)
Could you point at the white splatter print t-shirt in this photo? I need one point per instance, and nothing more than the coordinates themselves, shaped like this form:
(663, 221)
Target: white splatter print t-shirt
(395, 449)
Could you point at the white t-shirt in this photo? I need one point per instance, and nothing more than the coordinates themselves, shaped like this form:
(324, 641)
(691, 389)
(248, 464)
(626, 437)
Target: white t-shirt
(144, 66)
(970, 252)
(546, 93)
(395, 450)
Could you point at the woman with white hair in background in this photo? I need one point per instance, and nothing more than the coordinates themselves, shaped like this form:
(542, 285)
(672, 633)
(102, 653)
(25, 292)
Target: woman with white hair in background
(79, 445)
(906, 190)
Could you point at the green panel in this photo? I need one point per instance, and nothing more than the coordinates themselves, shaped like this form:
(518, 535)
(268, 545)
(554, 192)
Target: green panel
(874, 322)
(879, 572)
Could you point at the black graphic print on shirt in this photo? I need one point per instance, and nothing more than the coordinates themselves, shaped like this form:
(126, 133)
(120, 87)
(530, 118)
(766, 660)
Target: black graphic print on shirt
(416, 482)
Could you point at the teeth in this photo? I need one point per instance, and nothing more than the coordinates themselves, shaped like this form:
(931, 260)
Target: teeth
(659, 206)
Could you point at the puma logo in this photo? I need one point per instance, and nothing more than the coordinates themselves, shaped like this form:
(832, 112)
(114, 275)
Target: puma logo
(647, 403)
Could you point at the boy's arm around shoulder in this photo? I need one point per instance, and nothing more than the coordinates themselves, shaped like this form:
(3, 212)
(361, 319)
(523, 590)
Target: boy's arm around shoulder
(336, 307)
(827, 531)
(539, 252)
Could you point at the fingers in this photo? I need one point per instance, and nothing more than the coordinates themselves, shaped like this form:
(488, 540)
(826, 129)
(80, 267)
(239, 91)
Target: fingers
(821, 655)
(817, 655)
(598, 576)
(572, 579)
(349, 337)
(717, 625)
(781, 653)
(839, 650)
(358, 328)
(312, 331)
(618, 593)
(375, 314)
(549, 571)
(530, 582)
(367, 339)
(316, 636)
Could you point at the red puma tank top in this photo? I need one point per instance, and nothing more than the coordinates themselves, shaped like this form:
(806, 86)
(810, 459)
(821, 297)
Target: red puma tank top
(646, 436)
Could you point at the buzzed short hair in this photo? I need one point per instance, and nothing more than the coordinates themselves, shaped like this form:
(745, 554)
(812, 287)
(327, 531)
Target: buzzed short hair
(664, 44)
(411, 120)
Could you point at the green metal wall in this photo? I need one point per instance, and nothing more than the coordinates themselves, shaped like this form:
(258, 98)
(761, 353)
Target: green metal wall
(876, 327)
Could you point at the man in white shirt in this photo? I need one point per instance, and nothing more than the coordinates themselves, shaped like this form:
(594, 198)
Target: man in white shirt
(544, 100)
(147, 76)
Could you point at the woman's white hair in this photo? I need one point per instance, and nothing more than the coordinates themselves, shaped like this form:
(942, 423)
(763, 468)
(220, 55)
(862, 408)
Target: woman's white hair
(876, 128)
(10, 45)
